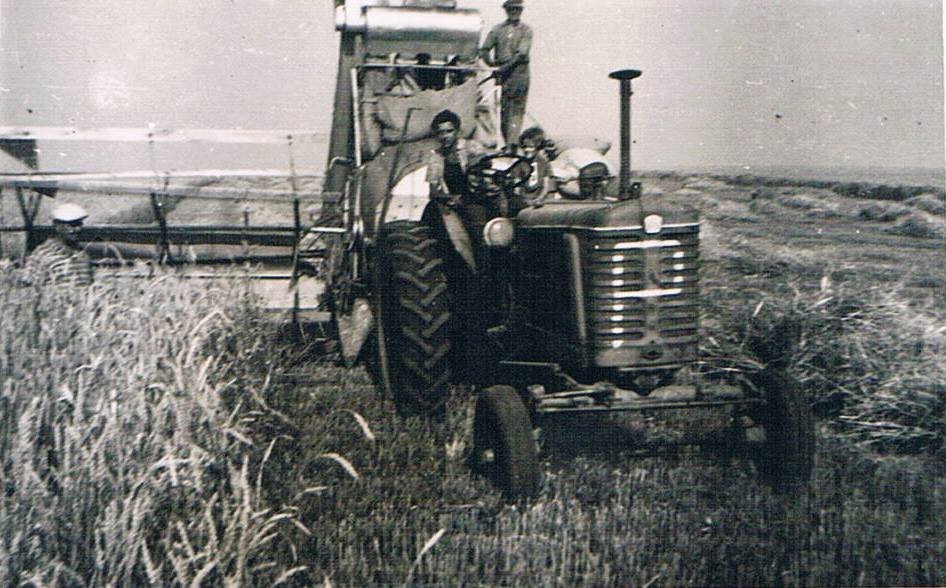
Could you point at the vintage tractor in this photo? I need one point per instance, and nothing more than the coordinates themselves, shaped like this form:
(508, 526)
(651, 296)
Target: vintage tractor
(581, 305)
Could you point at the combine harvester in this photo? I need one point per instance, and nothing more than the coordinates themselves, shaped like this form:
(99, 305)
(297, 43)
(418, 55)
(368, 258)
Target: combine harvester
(588, 304)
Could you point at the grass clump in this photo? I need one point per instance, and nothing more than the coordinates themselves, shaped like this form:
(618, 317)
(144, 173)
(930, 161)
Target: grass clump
(124, 447)
(872, 191)
(883, 211)
(860, 190)
(881, 387)
(929, 203)
(800, 201)
(920, 224)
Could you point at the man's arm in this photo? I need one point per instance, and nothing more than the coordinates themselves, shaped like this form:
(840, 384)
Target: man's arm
(435, 179)
(519, 56)
(486, 51)
(523, 47)
(544, 170)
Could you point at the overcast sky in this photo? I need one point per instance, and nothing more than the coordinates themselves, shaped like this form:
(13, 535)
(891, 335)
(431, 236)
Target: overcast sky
(726, 82)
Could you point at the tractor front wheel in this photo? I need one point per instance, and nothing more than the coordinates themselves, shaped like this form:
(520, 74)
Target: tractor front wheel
(503, 445)
(785, 458)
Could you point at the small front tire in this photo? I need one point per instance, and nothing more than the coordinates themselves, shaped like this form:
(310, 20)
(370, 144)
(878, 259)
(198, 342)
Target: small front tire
(503, 445)
(785, 457)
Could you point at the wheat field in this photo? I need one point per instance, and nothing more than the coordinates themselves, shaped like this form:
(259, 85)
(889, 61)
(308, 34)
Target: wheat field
(124, 440)
(158, 431)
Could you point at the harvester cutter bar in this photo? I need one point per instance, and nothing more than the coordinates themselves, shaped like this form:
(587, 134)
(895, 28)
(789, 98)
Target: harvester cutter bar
(211, 276)
(610, 399)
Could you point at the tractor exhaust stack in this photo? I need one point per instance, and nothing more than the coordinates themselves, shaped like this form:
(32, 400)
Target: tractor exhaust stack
(625, 76)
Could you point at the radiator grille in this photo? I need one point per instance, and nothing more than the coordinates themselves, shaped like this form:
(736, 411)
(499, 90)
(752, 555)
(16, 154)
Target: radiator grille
(642, 289)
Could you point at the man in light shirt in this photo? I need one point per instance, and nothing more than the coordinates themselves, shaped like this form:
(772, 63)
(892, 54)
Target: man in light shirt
(507, 48)
(60, 258)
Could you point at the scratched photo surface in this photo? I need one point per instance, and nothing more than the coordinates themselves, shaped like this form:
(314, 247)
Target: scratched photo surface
(159, 428)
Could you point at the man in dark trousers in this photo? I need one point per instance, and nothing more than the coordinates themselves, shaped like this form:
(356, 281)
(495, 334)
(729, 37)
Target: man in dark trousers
(507, 47)
(458, 216)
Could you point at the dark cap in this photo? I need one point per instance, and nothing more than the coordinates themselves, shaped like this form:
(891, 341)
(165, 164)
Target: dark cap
(513, 4)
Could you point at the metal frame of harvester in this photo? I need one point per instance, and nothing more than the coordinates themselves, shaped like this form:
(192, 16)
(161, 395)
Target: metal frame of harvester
(275, 254)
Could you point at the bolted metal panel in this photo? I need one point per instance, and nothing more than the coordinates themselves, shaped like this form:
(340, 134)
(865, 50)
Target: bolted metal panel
(409, 198)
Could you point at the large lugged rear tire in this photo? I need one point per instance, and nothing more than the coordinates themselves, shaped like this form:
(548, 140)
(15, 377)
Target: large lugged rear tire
(415, 315)
(785, 459)
(503, 445)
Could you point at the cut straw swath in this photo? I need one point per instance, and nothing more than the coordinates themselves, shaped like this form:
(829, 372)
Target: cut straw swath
(427, 547)
(290, 573)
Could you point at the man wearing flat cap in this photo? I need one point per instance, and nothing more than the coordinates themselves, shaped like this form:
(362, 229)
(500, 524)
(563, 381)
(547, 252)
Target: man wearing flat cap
(60, 258)
(507, 48)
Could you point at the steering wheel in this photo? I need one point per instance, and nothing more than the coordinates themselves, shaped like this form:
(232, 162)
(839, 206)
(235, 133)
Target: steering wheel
(500, 172)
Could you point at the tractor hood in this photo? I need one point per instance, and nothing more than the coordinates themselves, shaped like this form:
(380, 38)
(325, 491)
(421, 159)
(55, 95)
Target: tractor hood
(628, 214)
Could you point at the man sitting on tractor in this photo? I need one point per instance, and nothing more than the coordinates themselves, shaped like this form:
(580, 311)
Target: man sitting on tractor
(464, 198)
(447, 173)
(447, 164)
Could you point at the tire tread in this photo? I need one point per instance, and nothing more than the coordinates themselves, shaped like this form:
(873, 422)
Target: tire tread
(415, 309)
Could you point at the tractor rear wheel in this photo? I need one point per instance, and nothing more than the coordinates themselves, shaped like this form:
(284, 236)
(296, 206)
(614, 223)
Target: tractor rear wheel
(414, 318)
(503, 445)
(785, 459)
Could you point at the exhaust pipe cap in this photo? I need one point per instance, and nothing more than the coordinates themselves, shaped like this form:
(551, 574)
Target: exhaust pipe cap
(625, 74)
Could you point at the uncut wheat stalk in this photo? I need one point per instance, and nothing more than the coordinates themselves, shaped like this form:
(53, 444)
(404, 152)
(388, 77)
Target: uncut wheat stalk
(104, 439)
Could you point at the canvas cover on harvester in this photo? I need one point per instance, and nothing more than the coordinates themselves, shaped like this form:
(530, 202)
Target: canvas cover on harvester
(392, 111)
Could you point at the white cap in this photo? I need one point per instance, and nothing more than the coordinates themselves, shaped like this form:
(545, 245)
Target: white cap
(69, 213)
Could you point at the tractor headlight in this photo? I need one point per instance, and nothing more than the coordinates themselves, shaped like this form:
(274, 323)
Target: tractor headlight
(653, 223)
(499, 232)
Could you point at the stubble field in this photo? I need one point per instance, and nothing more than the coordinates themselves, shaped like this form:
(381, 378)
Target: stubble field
(160, 432)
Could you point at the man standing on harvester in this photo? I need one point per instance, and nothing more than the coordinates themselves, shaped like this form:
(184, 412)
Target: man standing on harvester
(507, 48)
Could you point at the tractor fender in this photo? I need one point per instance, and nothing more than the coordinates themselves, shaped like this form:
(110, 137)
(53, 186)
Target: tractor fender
(410, 198)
